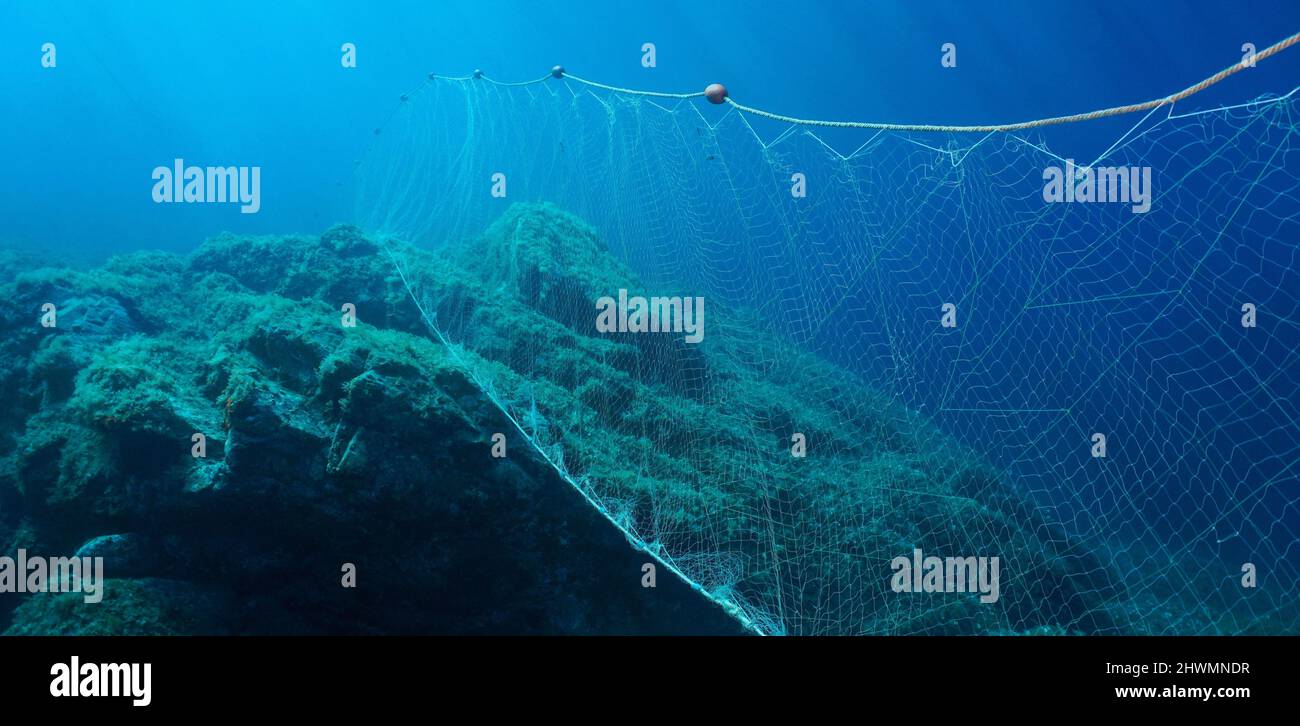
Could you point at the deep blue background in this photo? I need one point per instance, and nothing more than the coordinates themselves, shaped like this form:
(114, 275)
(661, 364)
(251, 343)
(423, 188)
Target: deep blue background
(255, 83)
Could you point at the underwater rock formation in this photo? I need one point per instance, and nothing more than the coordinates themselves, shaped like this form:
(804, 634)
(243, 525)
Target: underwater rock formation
(324, 446)
(370, 445)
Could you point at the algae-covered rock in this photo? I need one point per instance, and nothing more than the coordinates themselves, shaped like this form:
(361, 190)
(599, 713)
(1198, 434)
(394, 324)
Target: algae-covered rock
(245, 432)
(324, 449)
(130, 607)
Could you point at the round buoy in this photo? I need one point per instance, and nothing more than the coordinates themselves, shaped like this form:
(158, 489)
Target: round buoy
(557, 72)
(716, 93)
(478, 73)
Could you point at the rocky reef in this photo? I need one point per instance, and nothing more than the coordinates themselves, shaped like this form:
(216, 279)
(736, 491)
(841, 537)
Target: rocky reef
(328, 444)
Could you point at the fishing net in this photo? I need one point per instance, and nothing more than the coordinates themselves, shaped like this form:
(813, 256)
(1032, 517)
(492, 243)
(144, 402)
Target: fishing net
(825, 323)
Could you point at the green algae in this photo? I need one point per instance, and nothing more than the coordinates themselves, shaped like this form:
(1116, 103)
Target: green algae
(326, 441)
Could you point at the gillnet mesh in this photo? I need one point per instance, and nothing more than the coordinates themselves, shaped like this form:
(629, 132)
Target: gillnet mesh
(823, 320)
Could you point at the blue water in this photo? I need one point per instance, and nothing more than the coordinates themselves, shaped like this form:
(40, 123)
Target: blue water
(252, 83)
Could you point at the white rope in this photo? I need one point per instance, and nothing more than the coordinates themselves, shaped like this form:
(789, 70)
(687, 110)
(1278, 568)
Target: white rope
(631, 91)
(1051, 121)
(520, 83)
(984, 128)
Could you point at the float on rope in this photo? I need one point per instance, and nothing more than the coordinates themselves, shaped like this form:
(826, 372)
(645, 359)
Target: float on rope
(717, 94)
